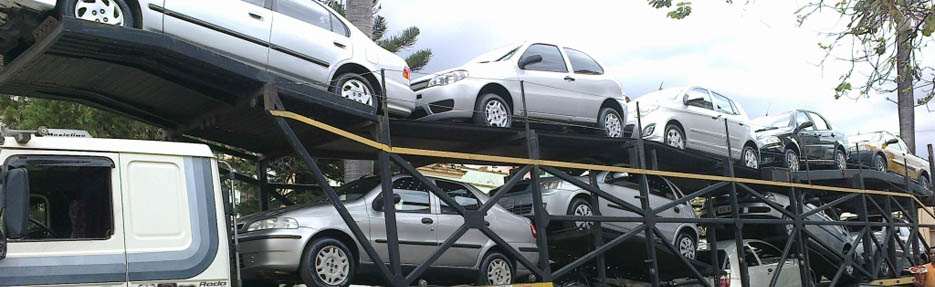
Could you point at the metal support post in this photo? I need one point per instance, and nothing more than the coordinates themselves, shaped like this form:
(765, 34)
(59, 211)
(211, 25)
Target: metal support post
(648, 215)
(262, 174)
(541, 217)
(890, 230)
(598, 235)
(735, 211)
(386, 182)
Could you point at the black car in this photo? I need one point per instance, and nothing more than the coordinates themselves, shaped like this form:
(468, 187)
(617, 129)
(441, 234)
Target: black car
(797, 137)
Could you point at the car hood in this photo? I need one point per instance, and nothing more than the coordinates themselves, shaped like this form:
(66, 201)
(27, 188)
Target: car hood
(774, 132)
(286, 210)
(490, 70)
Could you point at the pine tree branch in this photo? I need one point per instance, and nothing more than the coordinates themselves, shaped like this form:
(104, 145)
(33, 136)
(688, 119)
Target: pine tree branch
(379, 27)
(403, 40)
(419, 59)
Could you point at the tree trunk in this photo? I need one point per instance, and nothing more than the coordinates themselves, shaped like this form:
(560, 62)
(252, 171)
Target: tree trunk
(905, 100)
(360, 13)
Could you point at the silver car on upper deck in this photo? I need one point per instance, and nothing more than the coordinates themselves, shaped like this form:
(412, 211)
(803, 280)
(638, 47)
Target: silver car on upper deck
(560, 83)
(694, 118)
(301, 40)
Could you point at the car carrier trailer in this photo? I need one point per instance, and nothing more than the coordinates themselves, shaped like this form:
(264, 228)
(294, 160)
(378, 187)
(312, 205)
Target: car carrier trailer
(198, 95)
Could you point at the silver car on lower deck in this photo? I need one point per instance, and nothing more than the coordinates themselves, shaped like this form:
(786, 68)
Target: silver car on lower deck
(313, 242)
(563, 198)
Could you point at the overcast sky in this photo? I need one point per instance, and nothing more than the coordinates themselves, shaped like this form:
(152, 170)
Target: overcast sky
(755, 53)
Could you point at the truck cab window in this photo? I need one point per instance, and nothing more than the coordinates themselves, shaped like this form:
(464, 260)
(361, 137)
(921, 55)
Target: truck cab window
(68, 199)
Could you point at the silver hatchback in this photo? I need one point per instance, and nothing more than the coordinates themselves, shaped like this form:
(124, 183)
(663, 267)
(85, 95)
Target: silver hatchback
(313, 242)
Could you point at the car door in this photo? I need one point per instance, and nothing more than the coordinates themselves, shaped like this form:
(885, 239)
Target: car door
(239, 29)
(898, 154)
(662, 193)
(769, 257)
(703, 131)
(307, 40)
(594, 87)
(548, 85)
(826, 138)
(415, 223)
(755, 270)
(735, 125)
(807, 138)
(467, 249)
(624, 186)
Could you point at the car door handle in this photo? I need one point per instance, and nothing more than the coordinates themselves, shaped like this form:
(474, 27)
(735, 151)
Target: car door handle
(770, 270)
(677, 209)
(569, 78)
(339, 45)
(741, 124)
(256, 16)
(427, 220)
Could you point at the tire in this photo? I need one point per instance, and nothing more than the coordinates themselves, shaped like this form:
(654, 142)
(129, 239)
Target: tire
(879, 163)
(356, 88)
(750, 158)
(840, 159)
(493, 111)
(333, 257)
(580, 207)
(496, 269)
(791, 160)
(610, 122)
(116, 12)
(924, 181)
(686, 245)
(674, 136)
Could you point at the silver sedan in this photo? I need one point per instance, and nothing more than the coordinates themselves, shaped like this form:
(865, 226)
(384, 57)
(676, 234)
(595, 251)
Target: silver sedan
(693, 118)
(313, 242)
(301, 40)
(561, 84)
(563, 198)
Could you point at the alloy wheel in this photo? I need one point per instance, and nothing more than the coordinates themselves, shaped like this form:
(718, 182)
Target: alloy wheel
(840, 160)
(924, 182)
(792, 161)
(612, 125)
(499, 272)
(357, 91)
(879, 163)
(583, 210)
(332, 265)
(687, 247)
(496, 114)
(750, 159)
(674, 138)
(101, 11)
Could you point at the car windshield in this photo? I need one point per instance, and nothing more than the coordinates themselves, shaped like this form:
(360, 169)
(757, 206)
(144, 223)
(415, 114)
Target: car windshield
(500, 54)
(357, 189)
(871, 137)
(775, 121)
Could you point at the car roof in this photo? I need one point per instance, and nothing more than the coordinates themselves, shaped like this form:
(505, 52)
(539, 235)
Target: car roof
(110, 146)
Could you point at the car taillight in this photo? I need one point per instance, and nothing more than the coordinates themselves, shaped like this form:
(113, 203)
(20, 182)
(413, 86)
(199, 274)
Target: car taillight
(532, 227)
(406, 73)
(724, 280)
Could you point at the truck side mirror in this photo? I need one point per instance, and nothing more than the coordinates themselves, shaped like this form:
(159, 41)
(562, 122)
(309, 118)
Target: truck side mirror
(378, 203)
(803, 126)
(529, 61)
(16, 203)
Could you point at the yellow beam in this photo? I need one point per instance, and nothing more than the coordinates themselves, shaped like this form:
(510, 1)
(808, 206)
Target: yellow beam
(893, 282)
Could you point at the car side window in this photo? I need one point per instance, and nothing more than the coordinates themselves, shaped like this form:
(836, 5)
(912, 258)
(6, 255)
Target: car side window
(767, 254)
(338, 27)
(659, 187)
(896, 146)
(623, 179)
(699, 98)
(414, 197)
(552, 60)
(305, 11)
(722, 104)
(820, 122)
(460, 194)
(261, 3)
(800, 118)
(581, 63)
(750, 257)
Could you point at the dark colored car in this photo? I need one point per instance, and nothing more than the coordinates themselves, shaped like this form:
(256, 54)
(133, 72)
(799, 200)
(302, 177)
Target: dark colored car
(799, 137)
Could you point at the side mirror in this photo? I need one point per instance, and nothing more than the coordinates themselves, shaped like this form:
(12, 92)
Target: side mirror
(529, 61)
(803, 126)
(891, 141)
(688, 99)
(16, 203)
(378, 203)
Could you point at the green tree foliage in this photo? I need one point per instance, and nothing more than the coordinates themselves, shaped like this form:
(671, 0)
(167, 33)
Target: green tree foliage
(29, 113)
(395, 43)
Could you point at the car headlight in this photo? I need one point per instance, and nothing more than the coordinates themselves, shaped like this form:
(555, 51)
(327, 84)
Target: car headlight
(768, 141)
(274, 223)
(549, 186)
(770, 197)
(448, 78)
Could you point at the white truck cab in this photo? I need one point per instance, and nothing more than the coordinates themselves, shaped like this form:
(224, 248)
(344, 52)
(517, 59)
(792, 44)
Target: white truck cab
(107, 212)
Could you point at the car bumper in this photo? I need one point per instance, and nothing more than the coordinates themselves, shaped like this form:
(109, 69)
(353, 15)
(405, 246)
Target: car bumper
(772, 156)
(402, 100)
(453, 101)
(269, 253)
(554, 203)
(38, 5)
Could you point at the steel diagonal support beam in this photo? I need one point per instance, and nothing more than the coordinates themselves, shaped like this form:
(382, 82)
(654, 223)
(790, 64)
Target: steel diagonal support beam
(443, 196)
(882, 248)
(684, 260)
(598, 236)
(542, 220)
(333, 197)
(800, 237)
(600, 250)
(437, 254)
(609, 197)
(830, 204)
(760, 196)
(512, 251)
(782, 259)
(684, 199)
(868, 250)
(507, 186)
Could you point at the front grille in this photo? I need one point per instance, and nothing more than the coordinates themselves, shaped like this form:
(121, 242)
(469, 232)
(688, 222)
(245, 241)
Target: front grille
(442, 106)
(628, 130)
(420, 85)
(521, 209)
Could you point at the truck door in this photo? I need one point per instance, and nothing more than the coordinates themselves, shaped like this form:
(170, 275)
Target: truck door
(75, 232)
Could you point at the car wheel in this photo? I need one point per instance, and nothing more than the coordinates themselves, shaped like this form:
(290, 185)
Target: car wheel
(356, 88)
(496, 269)
(110, 12)
(840, 159)
(750, 158)
(685, 243)
(791, 160)
(879, 163)
(493, 111)
(675, 136)
(610, 122)
(924, 181)
(327, 262)
(884, 270)
(580, 207)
